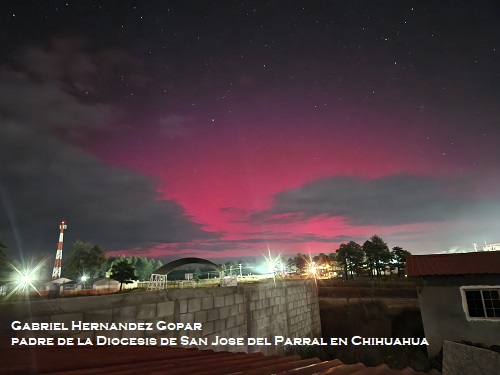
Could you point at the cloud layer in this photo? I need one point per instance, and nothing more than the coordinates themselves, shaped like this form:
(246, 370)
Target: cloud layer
(43, 179)
(386, 201)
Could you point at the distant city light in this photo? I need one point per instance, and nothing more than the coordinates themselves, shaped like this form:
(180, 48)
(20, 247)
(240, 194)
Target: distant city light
(272, 266)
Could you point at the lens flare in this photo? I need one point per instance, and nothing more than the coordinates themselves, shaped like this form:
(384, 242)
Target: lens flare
(22, 279)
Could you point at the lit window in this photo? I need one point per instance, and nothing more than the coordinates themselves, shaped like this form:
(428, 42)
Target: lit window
(481, 302)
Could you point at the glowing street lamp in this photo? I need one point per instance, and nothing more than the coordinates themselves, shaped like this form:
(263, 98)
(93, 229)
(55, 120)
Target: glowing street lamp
(23, 279)
(84, 279)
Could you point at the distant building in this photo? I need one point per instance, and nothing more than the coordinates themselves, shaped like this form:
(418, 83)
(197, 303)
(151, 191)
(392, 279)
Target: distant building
(459, 297)
(491, 247)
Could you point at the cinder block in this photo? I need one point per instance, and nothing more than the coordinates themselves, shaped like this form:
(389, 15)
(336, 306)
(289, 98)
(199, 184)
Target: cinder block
(125, 314)
(239, 298)
(229, 300)
(183, 306)
(240, 319)
(254, 296)
(187, 318)
(212, 314)
(242, 308)
(230, 322)
(165, 309)
(219, 301)
(233, 309)
(207, 303)
(220, 325)
(200, 316)
(147, 311)
(208, 328)
(194, 304)
(224, 312)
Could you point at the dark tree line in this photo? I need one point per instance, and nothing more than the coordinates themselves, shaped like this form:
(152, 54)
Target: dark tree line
(374, 255)
(90, 260)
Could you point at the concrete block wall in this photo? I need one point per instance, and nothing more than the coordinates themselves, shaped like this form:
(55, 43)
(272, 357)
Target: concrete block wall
(259, 310)
(461, 359)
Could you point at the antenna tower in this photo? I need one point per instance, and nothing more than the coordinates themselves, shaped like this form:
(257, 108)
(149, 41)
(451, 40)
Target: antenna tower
(56, 272)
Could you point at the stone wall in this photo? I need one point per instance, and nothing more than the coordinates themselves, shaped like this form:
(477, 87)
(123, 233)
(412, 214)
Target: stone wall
(461, 359)
(259, 310)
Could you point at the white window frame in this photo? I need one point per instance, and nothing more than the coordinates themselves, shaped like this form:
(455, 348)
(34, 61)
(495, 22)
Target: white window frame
(465, 307)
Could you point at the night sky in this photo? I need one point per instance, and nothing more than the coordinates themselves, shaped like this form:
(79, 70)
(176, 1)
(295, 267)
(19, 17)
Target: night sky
(219, 128)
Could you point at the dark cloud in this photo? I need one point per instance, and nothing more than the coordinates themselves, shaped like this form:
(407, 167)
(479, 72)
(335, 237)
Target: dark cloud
(390, 200)
(48, 90)
(44, 179)
(114, 207)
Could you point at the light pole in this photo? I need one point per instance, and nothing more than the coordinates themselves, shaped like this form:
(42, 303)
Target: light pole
(240, 265)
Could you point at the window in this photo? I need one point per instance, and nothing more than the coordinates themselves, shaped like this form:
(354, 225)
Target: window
(481, 302)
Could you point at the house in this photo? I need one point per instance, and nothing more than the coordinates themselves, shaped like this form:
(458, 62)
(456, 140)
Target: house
(459, 297)
(56, 283)
(105, 283)
(491, 247)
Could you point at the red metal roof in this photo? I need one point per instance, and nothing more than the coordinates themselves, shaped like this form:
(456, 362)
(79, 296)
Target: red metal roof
(133, 360)
(484, 262)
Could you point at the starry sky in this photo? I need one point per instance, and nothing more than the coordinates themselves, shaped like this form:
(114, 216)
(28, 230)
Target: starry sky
(218, 129)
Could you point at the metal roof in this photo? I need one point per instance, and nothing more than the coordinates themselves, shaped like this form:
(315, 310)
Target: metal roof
(153, 360)
(483, 262)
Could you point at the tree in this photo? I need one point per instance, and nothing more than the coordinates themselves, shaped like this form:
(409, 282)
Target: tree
(5, 269)
(197, 274)
(300, 262)
(290, 265)
(143, 267)
(351, 257)
(321, 259)
(398, 256)
(124, 272)
(94, 260)
(369, 251)
(85, 259)
(377, 254)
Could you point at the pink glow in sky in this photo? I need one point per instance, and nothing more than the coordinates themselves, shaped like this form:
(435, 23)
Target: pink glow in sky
(218, 132)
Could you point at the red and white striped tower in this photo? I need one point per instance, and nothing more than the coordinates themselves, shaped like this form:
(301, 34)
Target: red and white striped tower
(56, 272)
